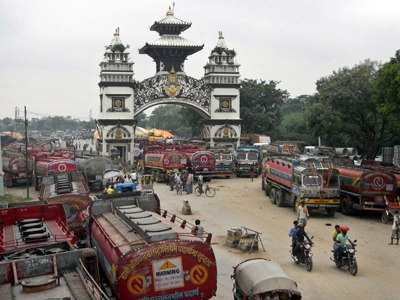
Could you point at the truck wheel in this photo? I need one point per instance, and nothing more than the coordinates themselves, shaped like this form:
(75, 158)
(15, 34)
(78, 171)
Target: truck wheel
(266, 192)
(280, 202)
(331, 212)
(262, 184)
(272, 196)
(8, 183)
(346, 206)
(156, 176)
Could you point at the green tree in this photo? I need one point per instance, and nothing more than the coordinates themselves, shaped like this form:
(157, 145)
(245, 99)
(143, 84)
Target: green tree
(344, 113)
(388, 91)
(259, 106)
(191, 123)
(165, 117)
(142, 120)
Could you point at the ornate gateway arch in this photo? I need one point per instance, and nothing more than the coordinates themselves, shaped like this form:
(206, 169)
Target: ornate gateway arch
(215, 97)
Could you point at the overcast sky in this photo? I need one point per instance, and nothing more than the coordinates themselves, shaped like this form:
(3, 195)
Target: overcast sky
(51, 50)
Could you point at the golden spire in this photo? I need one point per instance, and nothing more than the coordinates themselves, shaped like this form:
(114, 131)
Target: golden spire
(170, 12)
(172, 70)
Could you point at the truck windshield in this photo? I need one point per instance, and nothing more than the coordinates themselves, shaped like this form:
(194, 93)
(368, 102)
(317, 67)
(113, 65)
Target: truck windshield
(333, 181)
(253, 156)
(241, 156)
(311, 180)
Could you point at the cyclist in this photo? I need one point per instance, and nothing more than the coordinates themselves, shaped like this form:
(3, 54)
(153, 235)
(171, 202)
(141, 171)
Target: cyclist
(200, 183)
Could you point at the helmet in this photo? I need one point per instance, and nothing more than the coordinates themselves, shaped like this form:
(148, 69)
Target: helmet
(344, 229)
(301, 225)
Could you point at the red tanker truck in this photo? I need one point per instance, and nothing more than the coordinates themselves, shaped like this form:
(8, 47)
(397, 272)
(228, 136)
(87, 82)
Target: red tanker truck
(158, 163)
(15, 169)
(145, 255)
(287, 180)
(52, 165)
(201, 162)
(365, 189)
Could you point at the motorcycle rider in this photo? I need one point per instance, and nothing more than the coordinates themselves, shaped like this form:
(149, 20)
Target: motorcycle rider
(334, 235)
(298, 239)
(293, 231)
(341, 240)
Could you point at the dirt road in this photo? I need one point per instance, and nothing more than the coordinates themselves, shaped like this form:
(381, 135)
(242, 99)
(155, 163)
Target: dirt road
(241, 203)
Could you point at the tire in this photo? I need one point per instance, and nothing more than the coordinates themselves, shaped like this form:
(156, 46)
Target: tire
(210, 192)
(385, 217)
(267, 192)
(346, 209)
(227, 177)
(197, 191)
(354, 268)
(309, 263)
(238, 175)
(280, 201)
(262, 184)
(338, 263)
(156, 176)
(331, 212)
(272, 195)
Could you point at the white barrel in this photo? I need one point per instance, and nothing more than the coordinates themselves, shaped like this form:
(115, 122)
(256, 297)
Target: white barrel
(342, 151)
(353, 151)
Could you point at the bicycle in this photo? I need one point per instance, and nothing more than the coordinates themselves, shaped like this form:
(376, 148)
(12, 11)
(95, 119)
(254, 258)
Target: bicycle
(179, 188)
(209, 191)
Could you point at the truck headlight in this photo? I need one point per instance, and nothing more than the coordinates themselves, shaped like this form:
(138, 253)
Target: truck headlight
(306, 199)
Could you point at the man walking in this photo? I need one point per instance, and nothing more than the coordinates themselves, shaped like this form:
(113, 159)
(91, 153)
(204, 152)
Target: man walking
(395, 228)
(302, 213)
(252, 172)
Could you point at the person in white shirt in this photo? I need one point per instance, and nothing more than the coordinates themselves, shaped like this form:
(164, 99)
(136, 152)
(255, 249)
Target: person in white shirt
(302, 213)
(198, 229)
(395, 228)
(133, 177)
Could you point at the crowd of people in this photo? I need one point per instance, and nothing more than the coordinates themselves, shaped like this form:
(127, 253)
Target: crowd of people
(184, 180)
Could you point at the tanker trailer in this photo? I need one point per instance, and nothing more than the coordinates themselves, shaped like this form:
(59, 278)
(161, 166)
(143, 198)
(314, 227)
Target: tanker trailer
(94, 167)
(157, 164)
(201, 163)
(15, 169)
(145, 255)
(288, 180)
(365, 189)
(52, 165)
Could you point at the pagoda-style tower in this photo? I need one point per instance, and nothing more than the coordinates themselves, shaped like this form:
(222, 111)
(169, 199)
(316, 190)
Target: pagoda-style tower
(170, 50)
(116, 119)
(222, 74)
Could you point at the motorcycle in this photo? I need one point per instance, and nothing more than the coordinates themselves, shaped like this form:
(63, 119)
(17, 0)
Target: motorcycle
(346, 258)
(304, 255)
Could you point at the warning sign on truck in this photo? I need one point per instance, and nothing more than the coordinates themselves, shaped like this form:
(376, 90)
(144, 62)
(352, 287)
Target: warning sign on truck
(167, 274)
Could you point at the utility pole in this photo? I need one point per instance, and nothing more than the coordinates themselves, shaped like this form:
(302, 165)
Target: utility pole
(26, 157)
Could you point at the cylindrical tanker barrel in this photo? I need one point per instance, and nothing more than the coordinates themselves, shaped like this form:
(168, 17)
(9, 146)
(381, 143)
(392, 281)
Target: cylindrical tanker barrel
(93, 166)
(352, 151)
(203, 159)
(16, 164)
(342, 151)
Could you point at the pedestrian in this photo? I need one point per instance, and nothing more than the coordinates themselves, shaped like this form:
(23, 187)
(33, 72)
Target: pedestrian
(302, 213)
(335, 246)
(172, 182)
(252, 172)
(133, 177)
(167, 177)
(395, 228)
(191, 180)
(198, 229)
(293, 231)
(200, 182)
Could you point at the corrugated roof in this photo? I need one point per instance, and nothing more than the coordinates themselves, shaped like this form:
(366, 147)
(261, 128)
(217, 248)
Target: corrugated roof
(173, 40)
(171, 20)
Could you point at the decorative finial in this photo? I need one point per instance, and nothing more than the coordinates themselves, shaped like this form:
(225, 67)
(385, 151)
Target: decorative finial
(172, 70)
(220, 35)
(170, 12)
(116, 31)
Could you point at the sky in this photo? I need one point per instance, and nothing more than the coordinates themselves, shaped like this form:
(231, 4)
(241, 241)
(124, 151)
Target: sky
(51, 50)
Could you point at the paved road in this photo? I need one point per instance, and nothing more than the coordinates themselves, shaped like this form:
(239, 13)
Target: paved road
(241, 203)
